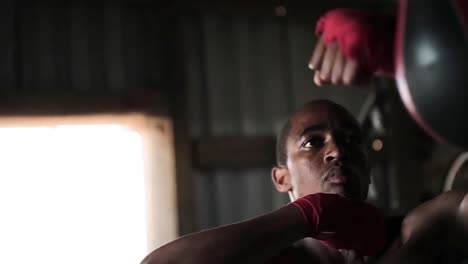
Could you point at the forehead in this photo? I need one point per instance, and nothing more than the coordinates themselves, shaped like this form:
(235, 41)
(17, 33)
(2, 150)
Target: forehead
(327, 115)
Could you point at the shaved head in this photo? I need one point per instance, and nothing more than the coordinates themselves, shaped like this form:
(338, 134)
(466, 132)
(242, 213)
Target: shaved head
(281, 152)
(320, 149)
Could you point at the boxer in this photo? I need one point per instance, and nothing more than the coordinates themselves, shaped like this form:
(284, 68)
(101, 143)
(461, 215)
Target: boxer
(322, 164)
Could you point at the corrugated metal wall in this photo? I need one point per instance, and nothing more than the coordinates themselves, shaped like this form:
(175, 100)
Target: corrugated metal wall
(80, 47)
(245, 75)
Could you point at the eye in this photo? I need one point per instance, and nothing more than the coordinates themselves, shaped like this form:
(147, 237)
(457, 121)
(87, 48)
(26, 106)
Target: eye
(314, 142)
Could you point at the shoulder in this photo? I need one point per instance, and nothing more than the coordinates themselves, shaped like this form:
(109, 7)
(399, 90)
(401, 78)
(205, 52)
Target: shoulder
(290, 255)
(311, 254)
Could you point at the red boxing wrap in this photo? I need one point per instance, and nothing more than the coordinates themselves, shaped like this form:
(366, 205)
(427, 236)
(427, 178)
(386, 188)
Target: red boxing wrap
(367, 38)
(342, 223)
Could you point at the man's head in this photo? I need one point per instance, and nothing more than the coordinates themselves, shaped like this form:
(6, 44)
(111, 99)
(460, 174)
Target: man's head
(320, 149)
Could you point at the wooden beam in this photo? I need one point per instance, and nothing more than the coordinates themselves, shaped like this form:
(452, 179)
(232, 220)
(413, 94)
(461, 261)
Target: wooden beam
(175, 69)
(302, 10)
(26, 105)
(160, 182)
(234, 152)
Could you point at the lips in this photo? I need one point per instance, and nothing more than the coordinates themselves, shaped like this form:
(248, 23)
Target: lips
(342, 180)
(337, 179)
(335, 175)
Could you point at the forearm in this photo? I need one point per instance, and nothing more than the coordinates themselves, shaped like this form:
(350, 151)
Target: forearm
(434, 225)
(429, 228)
(450, 214)
(252, 241)
(457, 237)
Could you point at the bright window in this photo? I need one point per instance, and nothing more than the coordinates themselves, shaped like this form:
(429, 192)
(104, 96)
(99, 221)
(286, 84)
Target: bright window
(72, 194)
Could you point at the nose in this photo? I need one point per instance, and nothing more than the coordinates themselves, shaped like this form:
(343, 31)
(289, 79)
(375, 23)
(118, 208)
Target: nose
(332, 152)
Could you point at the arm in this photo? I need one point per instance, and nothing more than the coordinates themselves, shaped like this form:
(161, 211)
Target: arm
(436, 224)
(252, 241)
(461, 223)
(446, 216)
(340, 222)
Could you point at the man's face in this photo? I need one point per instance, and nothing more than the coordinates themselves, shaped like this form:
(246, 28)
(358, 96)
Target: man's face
(325, 153)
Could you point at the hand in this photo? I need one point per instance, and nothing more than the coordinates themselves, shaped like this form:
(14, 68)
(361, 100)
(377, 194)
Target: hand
(342, 223)
(330, 65)
(353, 45)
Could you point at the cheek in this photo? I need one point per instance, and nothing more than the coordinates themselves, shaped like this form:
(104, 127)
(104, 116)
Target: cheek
(363, 170)
(305, 175)
(359, 160)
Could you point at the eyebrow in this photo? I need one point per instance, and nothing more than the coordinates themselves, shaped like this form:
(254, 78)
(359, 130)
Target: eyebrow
(321, 127)
(312, 128)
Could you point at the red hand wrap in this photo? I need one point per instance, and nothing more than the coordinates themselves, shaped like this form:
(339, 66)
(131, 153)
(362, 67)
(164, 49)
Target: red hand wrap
(365, 37)
(343, 223)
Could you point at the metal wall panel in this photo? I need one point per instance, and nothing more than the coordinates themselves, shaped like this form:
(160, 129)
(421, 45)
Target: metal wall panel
(83, 47)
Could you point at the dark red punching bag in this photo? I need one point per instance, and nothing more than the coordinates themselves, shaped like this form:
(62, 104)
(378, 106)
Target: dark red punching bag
(432, 66)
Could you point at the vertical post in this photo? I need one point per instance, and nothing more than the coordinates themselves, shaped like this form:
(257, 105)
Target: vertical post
(177, 92)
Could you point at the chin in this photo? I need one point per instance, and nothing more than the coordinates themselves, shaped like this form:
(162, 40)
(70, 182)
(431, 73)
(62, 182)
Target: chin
(341, 190)
(338, 190)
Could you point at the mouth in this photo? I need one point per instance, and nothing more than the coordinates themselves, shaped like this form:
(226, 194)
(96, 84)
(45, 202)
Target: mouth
(337, 179)
(341, 180)
(336, 175)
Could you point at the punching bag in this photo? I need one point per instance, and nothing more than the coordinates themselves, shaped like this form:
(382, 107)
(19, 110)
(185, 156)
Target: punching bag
(431, 60)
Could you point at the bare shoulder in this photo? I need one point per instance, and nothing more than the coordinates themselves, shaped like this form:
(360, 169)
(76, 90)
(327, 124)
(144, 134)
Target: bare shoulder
(308, 251)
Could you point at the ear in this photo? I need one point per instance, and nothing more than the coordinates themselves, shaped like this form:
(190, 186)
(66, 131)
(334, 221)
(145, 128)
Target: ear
(281, 178)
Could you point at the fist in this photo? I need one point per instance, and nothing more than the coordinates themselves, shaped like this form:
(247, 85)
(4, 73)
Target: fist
(353, 45)
(330, 65)
(342, 223)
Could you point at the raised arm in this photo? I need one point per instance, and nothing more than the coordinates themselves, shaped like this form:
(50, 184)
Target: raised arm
(251, 241)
